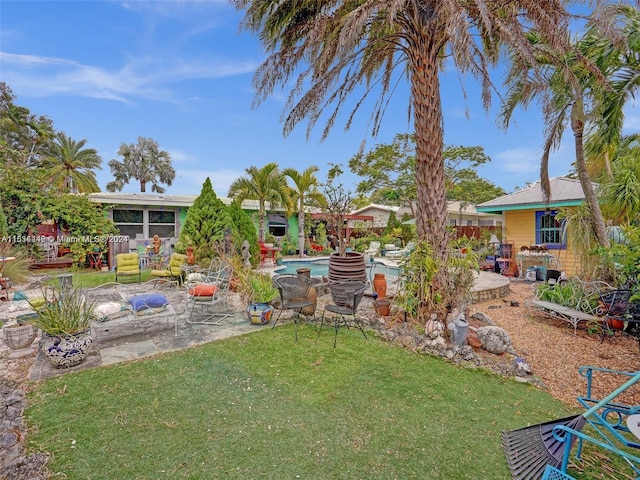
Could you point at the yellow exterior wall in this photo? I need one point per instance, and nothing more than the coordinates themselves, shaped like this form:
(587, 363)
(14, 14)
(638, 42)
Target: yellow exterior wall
(520, 228)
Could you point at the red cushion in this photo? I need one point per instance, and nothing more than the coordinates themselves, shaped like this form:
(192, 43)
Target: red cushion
(203, 290)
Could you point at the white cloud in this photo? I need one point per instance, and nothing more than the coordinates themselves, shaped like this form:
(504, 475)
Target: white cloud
(39, 76)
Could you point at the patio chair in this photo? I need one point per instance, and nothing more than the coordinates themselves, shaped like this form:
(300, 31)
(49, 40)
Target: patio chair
(172, 270)
(346, 296)
(127, 265)
(402, 252)
(294, 295)
(620, 313)
(373, 250)
(210, 294)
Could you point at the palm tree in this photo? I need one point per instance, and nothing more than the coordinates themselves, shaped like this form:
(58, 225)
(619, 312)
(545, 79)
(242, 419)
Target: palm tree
(335, 46)
(616, 52)
(70, 166)
(565, 84)
(144, 162)
(305, 187)
(266, 184)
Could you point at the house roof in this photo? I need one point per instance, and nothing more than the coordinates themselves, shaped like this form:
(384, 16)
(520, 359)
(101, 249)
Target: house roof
(162, 200)
(565, 192)
(375, 206)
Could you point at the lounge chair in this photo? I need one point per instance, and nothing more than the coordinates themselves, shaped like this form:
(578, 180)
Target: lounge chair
(401, 253)
(173, 270)
(373, 250)
(127, 265)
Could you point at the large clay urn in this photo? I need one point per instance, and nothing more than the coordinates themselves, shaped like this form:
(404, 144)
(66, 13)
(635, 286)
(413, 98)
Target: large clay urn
(349, 267)
(380, 285)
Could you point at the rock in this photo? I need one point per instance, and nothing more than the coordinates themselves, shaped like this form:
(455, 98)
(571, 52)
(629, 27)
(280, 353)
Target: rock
(494, 339)
(482, 317)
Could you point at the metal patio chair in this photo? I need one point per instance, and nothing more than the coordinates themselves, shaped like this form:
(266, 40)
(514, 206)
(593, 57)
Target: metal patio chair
(346, 296)
(208, 296)
(294, 295)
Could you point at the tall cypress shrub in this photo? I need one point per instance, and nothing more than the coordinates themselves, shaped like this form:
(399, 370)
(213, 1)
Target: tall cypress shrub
(244, 229)
(206, 222)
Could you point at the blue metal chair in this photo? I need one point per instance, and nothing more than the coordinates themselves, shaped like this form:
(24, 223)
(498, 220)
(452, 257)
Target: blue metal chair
(552, 473)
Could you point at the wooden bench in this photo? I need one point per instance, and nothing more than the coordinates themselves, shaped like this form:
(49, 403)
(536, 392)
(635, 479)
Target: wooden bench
(572, 300)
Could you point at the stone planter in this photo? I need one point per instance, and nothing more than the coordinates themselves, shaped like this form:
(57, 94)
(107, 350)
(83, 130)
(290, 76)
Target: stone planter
(349, 267)
(66, 351)
(19, 336)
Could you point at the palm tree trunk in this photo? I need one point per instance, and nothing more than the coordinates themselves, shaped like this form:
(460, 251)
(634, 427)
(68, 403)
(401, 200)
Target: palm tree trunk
(431, 208)
(301, 228)
(577, 125)
(143, 186)
(261, 223)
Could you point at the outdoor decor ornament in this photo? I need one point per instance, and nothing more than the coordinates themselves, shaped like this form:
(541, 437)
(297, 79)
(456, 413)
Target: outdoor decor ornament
(246, 255)
(191, 258)
(156, 244)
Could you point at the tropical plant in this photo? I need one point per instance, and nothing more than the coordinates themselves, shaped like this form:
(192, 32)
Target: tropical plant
(66, 312)
(266, 184)
(16, 270)
(305, 187)
(334, 47)
(244, 229)
(70, 166)
(143, 162)
(257, 287)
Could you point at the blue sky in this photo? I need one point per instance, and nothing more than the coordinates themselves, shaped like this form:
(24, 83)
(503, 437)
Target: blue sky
(180, 72)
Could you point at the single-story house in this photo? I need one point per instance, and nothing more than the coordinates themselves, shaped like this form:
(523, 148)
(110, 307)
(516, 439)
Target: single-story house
(143, 215)
(459, 215)
(530, 221)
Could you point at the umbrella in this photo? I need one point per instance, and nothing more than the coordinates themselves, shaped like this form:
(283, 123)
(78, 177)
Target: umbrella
(530, 449)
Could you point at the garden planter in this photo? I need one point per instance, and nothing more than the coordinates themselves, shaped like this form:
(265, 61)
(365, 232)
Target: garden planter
(383, 307)
(65, 351)
(380, 285)
(19, 336)
(259, 313)
(349, 267)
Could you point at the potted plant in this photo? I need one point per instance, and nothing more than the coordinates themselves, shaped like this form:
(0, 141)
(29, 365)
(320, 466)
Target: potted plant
(65, 321)
(257, 291)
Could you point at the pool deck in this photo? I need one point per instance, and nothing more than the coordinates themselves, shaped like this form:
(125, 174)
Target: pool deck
(148, 343)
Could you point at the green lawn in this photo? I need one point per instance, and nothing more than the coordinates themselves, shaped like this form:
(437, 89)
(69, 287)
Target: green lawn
(265, 406)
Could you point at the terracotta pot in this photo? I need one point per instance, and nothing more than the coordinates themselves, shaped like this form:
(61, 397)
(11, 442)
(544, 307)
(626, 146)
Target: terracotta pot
(380, 285)
(349, 267)
(615, 324)
(383, 307)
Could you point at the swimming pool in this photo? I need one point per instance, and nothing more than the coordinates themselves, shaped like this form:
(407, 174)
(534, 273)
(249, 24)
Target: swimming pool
(320, 268)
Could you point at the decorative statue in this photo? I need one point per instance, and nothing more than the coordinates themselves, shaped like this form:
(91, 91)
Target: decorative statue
(156, 244)
(191, 258)
(246, 255)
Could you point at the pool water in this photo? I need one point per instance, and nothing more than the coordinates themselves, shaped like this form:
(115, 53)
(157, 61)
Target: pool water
(320, 268)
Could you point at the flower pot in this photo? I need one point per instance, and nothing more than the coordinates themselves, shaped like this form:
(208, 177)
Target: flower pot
(19, 336)
(383, 307)
(259, 313)
(380, 285)
(64, 351)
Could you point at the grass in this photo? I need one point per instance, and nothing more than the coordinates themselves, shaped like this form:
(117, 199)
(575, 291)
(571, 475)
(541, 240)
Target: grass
(87, 278)
(265, 406)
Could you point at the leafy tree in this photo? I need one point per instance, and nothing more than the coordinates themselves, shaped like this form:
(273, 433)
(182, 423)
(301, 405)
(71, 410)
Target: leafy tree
(206, 222)
(70, 166)
(338, 204)
(389, 173)
(392, 224)
(244, 229)
(620, 193)
(24, 137)
(266, 184)
(85, 221)
(333, 47)
(143, 162)
(305, 187)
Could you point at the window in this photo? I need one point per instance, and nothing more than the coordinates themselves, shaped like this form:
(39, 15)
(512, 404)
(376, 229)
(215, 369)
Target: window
(129, 222)
(548, 229)
(162, 223)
